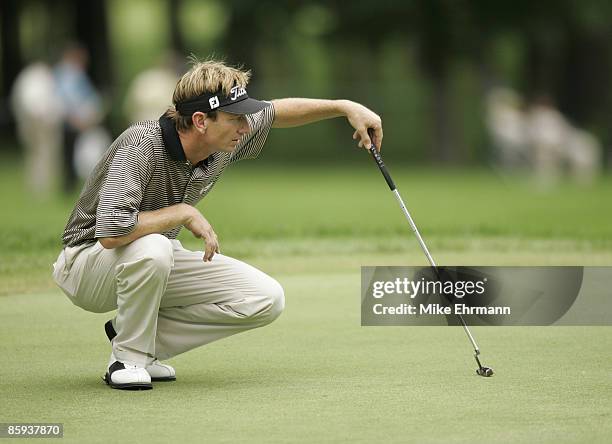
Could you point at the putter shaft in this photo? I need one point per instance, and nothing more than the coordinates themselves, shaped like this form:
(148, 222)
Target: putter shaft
(393, 188)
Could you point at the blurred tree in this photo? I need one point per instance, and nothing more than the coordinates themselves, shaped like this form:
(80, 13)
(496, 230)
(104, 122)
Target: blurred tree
(9, 41)
(10, 53)
(444, 50)
(91, 30)
(242, 38)
(177, 40)
(434, 34)
(254, 24)
(433, 25)
(585, 85)
(568, 56)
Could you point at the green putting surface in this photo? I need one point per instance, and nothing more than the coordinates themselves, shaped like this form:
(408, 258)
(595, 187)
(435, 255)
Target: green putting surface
(316, 375)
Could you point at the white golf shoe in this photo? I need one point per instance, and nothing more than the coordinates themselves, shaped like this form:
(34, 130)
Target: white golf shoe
(127, 377)
(161, 372)
(157, 370)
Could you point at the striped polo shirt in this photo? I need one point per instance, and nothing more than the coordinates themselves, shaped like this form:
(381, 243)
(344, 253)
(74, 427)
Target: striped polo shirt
(145, 169)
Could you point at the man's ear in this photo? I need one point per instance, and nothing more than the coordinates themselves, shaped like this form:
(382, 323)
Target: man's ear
(199, 120)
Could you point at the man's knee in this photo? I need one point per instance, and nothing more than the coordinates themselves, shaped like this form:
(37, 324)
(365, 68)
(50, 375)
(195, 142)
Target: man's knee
(275, 300)
(261, 304)
(156, 251)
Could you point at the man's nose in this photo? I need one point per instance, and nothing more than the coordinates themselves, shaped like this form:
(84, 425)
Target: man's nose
(244, 126)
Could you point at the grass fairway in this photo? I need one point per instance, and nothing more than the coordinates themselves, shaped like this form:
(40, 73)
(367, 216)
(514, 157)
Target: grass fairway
(313, 376)
(316, 375)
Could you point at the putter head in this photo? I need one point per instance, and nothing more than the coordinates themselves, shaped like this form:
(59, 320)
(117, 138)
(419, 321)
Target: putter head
(484, 371)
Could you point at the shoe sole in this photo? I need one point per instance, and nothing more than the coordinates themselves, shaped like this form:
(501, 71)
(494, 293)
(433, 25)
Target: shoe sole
(128, 385)
(164, 379)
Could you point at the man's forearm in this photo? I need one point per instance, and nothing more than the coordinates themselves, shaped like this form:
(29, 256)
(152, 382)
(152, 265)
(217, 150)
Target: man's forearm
(295, 112)
(150, 222)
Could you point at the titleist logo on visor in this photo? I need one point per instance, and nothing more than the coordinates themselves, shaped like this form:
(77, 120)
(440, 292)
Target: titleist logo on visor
(237, 91)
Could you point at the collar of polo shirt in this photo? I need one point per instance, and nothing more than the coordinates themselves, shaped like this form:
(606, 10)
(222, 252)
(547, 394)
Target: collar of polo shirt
(172, 141)
(173, 144)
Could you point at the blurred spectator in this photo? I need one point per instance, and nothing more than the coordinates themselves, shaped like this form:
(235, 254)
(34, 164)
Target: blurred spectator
(89, 147)
(81, 102)
(584, 155)
(37, 110)
(540, 137)
(546, 130)
(558, 146)
(506, 123)
(150, 93)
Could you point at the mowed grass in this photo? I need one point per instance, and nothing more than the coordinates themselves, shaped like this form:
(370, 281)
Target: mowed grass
(316, 375)
(334, 214)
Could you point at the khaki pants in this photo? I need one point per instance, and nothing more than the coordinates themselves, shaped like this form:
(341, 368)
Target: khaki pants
(168, 300)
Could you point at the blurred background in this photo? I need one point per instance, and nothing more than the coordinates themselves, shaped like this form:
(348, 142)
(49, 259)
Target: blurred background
(497, 118)
(456, 81)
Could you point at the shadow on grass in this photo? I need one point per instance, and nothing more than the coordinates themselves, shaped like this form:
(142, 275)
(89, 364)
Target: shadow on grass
(209, 381)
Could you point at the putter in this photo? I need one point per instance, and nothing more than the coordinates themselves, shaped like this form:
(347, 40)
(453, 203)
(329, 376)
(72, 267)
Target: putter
(482, 370)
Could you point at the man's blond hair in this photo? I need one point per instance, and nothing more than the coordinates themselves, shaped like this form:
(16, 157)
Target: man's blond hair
(205, 76)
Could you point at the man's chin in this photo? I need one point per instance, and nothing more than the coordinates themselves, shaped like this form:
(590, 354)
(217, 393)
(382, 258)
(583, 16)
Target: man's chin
(228, 148)
(232, 146)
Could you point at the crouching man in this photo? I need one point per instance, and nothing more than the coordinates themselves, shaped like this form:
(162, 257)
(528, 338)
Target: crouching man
(120, 248)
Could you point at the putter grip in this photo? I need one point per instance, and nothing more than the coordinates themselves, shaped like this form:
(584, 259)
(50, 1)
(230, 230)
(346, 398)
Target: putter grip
(382, 167)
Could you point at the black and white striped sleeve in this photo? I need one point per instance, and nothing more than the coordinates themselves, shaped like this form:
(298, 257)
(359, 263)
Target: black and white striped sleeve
(260, 124)
(121, 195)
